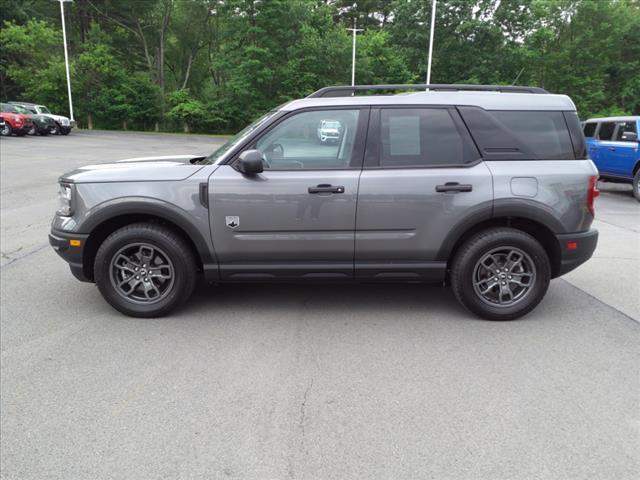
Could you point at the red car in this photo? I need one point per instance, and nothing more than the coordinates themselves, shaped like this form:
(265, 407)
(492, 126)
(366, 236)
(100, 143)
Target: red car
(15, 122)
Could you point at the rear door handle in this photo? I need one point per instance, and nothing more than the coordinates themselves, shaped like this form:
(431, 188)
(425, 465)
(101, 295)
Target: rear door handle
(454, 187)
(326, 188)
(612, 149)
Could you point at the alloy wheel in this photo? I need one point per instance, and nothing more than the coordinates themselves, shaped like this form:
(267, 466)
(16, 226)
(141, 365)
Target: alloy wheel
(142, 273)
(504, 276)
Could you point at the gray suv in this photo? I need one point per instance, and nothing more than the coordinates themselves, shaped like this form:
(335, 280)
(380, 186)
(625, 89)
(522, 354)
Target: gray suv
(486, 188)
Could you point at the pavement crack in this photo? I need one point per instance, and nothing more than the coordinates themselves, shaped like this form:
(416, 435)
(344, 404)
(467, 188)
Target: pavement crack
(20, 257)
(303, 406)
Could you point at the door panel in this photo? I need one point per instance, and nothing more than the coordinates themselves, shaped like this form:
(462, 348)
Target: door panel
(605, 147)
(623, 154)
(403, 220)
(281, 229)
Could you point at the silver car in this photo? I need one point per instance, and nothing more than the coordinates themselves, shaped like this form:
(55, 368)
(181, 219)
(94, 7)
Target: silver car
(487, 189)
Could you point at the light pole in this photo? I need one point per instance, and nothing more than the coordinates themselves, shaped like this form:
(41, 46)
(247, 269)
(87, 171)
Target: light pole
(353, 55)
(433, 25)
(66, 57)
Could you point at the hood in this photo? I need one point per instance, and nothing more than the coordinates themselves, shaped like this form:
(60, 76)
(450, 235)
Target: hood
(16, 116)
(58, 118)
(42, 119)
(143, 169)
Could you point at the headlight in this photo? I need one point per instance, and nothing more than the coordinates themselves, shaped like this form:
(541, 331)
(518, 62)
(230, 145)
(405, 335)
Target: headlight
(64, 200)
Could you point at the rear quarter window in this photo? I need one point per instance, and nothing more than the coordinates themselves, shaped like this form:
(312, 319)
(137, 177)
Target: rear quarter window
(545, 133)
(521, 135)
(590, 129)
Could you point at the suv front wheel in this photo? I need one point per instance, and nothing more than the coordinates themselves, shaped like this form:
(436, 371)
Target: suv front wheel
(145, 270)
(500, 274)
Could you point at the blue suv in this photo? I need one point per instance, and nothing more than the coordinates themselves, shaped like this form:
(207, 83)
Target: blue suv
(613, 146)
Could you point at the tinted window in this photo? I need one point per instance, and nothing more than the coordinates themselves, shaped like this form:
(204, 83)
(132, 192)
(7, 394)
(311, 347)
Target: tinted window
(545, 134)
(311, 140)
(421, 137)
(606, 130)
(625, 127)
(575, 132)
(590, 129)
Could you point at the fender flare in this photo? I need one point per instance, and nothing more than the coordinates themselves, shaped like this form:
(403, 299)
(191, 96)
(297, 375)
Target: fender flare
(150, 206)
(501, 208)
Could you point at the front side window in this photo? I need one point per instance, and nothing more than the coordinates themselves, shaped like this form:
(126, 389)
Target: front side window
(625, 127)
(606, 130)
(318, 139)
(590, 129)
(420, 137)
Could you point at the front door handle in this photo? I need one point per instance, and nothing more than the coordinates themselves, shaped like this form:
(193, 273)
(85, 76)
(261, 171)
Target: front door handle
(612, 149)
(454, 187)
(326, 188)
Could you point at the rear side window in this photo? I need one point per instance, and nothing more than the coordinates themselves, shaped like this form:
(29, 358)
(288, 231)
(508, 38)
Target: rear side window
(520, 135)
(625, 127)
(422, 137)
(590, 129)
(606, 130)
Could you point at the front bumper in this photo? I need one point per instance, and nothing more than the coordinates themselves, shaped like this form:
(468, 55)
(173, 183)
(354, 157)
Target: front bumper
(22, 129)
(73, 255)
(575, 249)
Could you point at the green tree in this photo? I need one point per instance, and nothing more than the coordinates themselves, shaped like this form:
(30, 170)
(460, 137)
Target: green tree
(185, 109)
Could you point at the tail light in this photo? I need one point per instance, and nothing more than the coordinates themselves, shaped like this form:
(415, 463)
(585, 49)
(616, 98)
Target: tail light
(592, 193)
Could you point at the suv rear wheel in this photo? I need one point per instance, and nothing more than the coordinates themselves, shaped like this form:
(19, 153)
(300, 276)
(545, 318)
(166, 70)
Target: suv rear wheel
(500, 274)
(145, 270)
(636, 185)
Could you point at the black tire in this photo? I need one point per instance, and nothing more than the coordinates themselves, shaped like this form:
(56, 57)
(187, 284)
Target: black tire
(636, 185)
(44, 132)
(466, 268)
(169, 244)
(55, 130)
(64, 131)
(33, 130)
(6, 130)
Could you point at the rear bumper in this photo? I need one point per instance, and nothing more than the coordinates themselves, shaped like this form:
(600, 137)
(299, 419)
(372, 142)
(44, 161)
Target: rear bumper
(73, 255)
(575, 249)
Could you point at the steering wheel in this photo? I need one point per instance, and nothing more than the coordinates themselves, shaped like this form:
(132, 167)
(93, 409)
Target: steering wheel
(277, 150)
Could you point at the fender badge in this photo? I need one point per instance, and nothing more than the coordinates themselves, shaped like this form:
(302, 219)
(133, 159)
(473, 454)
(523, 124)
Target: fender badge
(232, 222)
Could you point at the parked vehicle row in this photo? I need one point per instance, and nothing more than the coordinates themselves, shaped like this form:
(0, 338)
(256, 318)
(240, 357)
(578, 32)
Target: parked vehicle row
(614, 148)
(22, 118)
(487, 188)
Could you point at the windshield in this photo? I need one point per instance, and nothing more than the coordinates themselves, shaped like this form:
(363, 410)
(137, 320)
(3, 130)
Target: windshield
(5, 107)
(44, 109)
(237, 138)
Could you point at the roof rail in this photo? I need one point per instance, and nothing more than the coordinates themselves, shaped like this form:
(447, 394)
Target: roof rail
(349, 90)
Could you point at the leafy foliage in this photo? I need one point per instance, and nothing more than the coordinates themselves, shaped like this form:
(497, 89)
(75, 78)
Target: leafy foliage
(214, 65)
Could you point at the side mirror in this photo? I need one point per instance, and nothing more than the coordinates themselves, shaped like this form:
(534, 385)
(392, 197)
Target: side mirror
(250, 162)
(629, 137)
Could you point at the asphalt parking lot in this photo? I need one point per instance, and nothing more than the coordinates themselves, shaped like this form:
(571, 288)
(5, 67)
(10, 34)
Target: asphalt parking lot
(306, 382)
